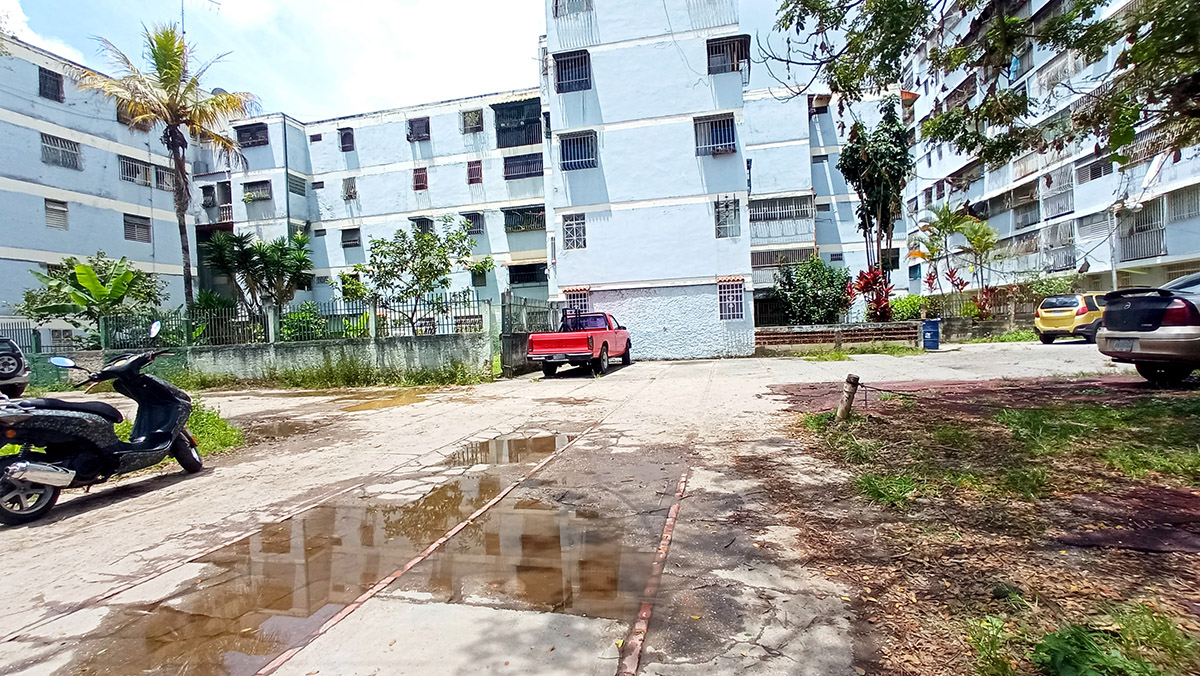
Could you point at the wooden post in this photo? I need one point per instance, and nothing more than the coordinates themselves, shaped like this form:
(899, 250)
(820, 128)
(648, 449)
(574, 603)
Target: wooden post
(848, 391)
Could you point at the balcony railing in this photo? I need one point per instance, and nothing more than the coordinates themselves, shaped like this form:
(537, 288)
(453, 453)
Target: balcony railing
(1061, 258)
(789, 230)
(1057, 205)
(225, 213)
(1143, 234)
(763, 278)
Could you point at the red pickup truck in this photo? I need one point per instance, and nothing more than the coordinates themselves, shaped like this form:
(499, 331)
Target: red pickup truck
(582, 339)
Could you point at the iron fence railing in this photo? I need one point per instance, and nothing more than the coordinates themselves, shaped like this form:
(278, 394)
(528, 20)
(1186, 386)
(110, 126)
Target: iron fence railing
(525, 315)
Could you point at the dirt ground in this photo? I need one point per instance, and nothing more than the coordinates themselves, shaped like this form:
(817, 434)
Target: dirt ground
(291, 546)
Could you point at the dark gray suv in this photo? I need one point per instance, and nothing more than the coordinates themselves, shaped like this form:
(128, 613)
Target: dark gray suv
(14, 369)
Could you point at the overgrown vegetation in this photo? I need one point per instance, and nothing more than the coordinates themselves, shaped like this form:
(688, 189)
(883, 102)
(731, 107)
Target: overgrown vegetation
(844, 353)
(812, 291)
(333, 373)
(1014, 336)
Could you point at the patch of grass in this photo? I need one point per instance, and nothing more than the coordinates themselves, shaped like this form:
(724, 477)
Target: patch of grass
(954, 436)
(889, 490)
(1076, 650)
(1029, 482)
(335, 373)
(213, 433)
(853, 449)
(844, 353)
(1136, 462)
(1014, 336)
(1155, 637)
(818, 422)
(991, 641)
(828, 355)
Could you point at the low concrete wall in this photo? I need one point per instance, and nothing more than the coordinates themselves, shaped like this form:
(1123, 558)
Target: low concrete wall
(513, 350)
(958, 329)
(785, 339)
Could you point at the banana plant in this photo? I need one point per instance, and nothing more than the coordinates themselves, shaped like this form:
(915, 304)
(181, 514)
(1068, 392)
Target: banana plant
(83, 293)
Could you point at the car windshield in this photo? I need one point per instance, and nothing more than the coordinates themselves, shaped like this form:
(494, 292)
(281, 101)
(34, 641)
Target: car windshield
(1059, 302)
(585, 323)
(1186, 284)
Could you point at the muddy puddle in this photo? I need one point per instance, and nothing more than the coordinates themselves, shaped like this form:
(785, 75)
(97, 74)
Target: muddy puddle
(277, 428)
(389, 399)
(258, 597)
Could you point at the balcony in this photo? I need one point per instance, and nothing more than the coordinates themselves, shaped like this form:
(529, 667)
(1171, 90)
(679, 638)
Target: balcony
(782, 232)
(1142, 235)
(763, 278)
(1061, 258)
(225, 213)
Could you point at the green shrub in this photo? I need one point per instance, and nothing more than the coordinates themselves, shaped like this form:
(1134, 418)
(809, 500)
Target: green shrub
(813, 292)
(1075, 650)
(304, 323)
(907, 308)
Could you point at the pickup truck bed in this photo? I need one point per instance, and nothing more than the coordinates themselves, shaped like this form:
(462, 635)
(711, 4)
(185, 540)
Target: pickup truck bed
(589, 339)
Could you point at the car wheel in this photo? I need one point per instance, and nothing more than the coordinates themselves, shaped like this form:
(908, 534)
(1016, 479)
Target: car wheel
(12, 391)
(600, 364)
(1164, 375)
(627, 358)
(548, 370)
(1046, 340)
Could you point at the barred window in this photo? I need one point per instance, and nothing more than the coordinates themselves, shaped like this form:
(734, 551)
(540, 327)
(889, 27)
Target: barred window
(252, 135)
(478, 278)
(318, 185)
(729, 223)
(474, 172)
(836, 257)
(565, 7)
(50, 85)
(728, 55)
(474, 223)
(1092, 171)
(472, 121)
(572, 72)
(715, 135)
(164, 179)
(578, 151)
(349, 188)
(56, 214)
(422, 225)
(732, 300)
(524, 219)
(136, 171)
(346, 139)
(574, 231)
(420, 178)
(522, 166)
(1183, 204)
(351, 238)
(578, 300)
(297, 185)
(418, 129)
(61, 153)
(256, 190)
(137, 228)
(314, 138)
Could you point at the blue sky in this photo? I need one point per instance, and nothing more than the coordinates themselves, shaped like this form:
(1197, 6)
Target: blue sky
(315, 59)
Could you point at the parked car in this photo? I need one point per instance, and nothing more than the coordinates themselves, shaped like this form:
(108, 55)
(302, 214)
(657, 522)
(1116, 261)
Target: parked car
(1156, 330)
(582, 339)
(1076, 314)
(14, 369)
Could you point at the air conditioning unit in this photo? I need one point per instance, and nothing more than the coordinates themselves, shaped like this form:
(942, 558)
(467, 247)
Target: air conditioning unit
(724, 150)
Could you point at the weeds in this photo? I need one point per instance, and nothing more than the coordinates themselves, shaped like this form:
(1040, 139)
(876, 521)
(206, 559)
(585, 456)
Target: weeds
(844, 353)
(331, 373)
(818, 422)
(889, 490)
(1029, 482)
(990, 639)
(1154, 636)
(1014, 336)
(213, 433)
(1078, 650)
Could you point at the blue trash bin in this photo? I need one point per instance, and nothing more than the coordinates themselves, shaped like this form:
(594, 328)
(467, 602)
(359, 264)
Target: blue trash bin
(932, 333)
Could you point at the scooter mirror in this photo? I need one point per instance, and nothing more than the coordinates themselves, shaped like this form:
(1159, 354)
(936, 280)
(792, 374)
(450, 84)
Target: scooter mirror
(62, 362)
(155, 328)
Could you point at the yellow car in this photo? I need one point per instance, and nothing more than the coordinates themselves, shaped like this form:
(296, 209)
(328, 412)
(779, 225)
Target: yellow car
(1077, 314)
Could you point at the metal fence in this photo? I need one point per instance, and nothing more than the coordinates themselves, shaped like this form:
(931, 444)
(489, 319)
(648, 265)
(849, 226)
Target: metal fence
(526, 315)
(180, 328)
(23, 334)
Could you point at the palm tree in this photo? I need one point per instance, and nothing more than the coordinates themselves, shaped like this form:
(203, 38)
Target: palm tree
(169, 94)
(262, 272)
(936, 230)
(982, 241)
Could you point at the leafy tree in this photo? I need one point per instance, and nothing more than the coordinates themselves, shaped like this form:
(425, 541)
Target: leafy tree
(859, 49)
(83, 292)
(933, 241)
(263, 272)
(812, 292)
(980, 248)
(170, 95)
(406, 273)
(877, 163)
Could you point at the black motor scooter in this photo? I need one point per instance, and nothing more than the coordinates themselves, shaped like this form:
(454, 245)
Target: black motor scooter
(81, 446)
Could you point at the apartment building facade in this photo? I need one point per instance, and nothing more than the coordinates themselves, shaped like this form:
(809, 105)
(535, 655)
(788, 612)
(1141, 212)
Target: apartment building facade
(1067, 210)
(75, 180)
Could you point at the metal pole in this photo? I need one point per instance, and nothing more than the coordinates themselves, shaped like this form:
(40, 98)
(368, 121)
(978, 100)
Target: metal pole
(1112, 248)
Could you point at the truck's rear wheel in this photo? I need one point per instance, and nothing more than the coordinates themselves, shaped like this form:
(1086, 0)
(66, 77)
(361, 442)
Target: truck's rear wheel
(548, 370)
(600, 364)
(627, 358)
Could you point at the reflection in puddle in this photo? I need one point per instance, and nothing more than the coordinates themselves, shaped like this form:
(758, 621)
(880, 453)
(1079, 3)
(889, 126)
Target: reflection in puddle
(267, 592)
(505, 451)
(389, 399)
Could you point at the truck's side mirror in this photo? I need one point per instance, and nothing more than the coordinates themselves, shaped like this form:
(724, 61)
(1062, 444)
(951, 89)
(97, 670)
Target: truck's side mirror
(621, 328)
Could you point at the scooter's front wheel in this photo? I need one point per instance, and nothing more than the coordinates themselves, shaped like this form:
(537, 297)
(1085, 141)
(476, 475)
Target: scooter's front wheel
(23, 501)
(186, 454)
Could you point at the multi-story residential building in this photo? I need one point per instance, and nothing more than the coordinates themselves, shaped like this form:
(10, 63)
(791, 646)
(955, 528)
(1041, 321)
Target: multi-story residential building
(1066, 210)
(74, 179)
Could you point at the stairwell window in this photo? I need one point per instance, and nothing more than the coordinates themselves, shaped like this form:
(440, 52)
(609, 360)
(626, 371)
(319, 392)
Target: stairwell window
(50, 85)
(728, 221)
(418, 129)
(349, 188)
(472, 121)
(297, 185)
(56, 214)
(420, 178)
(574, 234)
(351, 238)
(61, 153)
(137, 228)
(474, 172)
(732, 300)
(578, 151)
(572, 72)
(715, 136)
(252, 135)
(346, 139)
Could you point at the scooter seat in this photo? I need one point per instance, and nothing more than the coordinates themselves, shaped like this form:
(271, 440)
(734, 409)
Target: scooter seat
(99, 408)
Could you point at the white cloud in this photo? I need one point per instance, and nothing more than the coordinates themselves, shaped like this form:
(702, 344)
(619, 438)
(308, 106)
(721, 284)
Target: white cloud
(15, 23)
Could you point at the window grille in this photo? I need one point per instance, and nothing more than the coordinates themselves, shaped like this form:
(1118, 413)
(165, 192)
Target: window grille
(572, 72)
(836, 257)
(732, 300)
(258, 190)
(50, 85)
(1027, 215)
(135, 171)
(1093, 171)
(252, 135)
(728, 55)
(522, 166)
(319, 232)
(137, 228)
(478, 278)
(349, 188)
(422, 225)
(715, 136)
(578, 300)
(1058, 192)
(297, 185)
(525, 219)
(566, 7)
(314, 138)
(472, 121)
(1183, 204)
(527, 274)
(1142, 234)
(56, 214)
(1146, 144)
(781, 209)
(475, 223)
(61, 153)
(578, 151)
(418, 129)
(351, 238)
(1025, 165)
(574, 234)
(346, 139)
(208, 197)
(474, 172)
(729, 223)
(770, 259)
(518, 123)
(164, 179)
(420, 178)
(825, 206)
